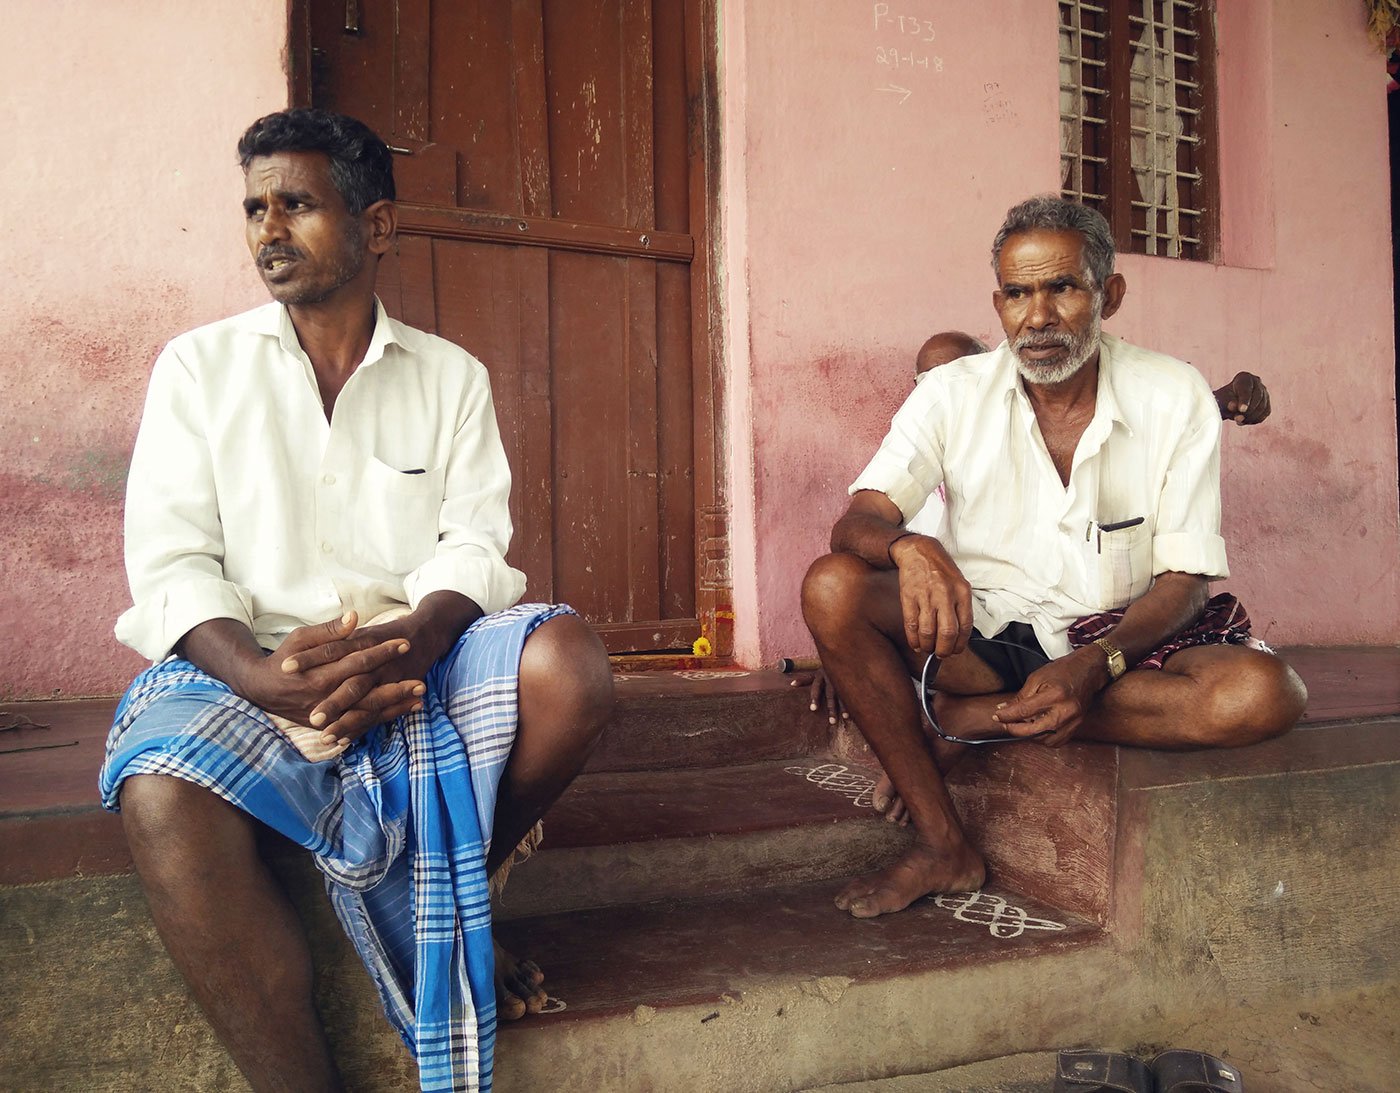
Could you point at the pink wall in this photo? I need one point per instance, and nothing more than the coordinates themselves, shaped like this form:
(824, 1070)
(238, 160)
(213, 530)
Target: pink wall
(123, 229)
(859, 221)
(862, 186)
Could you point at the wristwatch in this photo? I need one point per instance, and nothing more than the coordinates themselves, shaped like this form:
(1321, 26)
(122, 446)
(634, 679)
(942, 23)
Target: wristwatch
(1117, 665)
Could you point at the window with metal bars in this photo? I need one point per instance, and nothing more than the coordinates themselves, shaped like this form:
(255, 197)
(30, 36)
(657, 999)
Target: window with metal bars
(1137, 121)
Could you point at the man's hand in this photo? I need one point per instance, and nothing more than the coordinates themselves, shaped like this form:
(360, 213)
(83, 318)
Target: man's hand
(1244, 400)
(1055, 698)
(822, 690)
(365, 699)
(935, 597)
(301, 696)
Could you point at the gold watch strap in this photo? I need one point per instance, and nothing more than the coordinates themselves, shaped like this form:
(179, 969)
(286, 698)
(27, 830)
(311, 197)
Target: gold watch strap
(1117, 663)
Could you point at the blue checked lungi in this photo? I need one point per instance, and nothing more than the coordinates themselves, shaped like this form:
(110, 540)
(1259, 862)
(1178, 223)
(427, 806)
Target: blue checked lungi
(400, 824)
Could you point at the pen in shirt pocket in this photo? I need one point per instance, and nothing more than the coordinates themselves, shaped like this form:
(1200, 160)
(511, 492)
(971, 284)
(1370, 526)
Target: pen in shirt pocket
(1117, 525)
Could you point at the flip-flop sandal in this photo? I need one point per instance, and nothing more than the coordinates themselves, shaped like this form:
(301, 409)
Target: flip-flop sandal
(1101, 1072)
(1179, 1071)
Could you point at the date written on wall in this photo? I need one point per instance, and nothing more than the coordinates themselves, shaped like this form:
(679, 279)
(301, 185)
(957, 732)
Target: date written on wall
(903, 44)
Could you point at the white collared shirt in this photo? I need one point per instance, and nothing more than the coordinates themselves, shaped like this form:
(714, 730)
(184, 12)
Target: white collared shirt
(243, 502)
(1035, 550)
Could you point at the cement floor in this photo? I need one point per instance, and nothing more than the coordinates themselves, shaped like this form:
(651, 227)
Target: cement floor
(1346, 1043)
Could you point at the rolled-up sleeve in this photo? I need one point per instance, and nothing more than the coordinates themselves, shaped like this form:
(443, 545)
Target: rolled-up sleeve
(908, 466)
(474, 526)
(174, 537)
(1187, 537)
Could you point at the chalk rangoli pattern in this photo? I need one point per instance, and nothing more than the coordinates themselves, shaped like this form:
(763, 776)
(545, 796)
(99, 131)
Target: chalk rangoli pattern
(837, 778)
(1000, 917)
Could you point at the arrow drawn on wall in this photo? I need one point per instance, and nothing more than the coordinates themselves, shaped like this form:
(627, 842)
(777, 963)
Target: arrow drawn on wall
(902, 92)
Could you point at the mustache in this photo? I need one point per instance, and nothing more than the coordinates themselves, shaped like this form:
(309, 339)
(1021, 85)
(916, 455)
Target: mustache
(1043, 341)
(270, 254)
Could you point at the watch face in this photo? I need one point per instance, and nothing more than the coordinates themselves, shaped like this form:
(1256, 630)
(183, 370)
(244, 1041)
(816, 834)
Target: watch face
(1117, 663)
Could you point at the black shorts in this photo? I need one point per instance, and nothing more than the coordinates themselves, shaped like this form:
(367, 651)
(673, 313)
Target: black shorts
(1013, 654)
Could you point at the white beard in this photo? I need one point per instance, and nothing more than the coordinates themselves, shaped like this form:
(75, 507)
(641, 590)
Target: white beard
(1080, 350)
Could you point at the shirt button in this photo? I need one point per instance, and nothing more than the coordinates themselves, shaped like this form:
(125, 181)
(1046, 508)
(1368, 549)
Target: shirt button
(328, 479)
(326, 548)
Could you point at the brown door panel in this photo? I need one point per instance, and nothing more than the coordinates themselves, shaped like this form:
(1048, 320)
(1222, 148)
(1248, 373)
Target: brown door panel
(550, 181)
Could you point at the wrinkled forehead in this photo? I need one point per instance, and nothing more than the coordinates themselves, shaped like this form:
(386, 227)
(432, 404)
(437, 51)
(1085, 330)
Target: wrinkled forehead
(1042, 254)
(289, 172)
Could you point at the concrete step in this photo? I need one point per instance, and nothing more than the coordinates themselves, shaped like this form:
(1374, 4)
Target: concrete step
(750, 991)
(1242, 880)
(620, 838)
(1045, 819)
(1183, 881)
(698, 718)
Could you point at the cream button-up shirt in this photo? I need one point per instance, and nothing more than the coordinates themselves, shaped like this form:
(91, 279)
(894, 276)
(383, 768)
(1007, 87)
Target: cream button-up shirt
(1143, 496)
(244, 502)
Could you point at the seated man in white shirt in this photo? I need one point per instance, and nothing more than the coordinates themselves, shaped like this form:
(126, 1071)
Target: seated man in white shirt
(1082, 484)
(1244, 400)
(300, 468)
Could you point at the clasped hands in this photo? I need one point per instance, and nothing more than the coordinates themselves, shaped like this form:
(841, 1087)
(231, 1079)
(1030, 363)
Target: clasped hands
(343, 679)
(937, 603)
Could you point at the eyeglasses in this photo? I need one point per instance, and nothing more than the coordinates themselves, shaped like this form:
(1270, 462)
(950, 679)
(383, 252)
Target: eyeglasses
(926, 679)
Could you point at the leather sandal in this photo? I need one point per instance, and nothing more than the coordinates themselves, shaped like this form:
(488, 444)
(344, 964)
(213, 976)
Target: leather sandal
(1180, 1071)
(1101, 1072)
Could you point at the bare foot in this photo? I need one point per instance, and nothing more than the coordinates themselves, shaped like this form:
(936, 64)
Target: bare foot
(920, 872)
(518, 988)
(888, 803)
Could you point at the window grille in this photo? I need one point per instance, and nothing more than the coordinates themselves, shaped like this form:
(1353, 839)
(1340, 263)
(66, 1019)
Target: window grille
(1137, 120)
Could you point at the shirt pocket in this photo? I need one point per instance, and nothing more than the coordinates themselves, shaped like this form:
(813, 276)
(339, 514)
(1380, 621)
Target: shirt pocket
(396, 515)
(1124, 565)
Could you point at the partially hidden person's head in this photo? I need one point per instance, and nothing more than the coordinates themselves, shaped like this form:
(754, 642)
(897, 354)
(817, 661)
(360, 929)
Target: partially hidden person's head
(944, 348)
(1055, 285)
(319, 203)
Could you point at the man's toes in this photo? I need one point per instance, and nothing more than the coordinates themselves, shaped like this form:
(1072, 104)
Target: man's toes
(510, 1008)
(523, 985)
(864, 908)
(530, 973)
(857, 889)
(879, 901)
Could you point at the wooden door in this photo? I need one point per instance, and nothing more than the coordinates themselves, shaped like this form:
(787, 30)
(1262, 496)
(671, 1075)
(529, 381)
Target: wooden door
(552, 161)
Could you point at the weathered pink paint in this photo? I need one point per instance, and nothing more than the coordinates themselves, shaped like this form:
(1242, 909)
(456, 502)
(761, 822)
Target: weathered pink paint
(860, 218)
(124, 228)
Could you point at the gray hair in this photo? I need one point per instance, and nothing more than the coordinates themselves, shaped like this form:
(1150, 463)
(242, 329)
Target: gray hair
(1046, 212)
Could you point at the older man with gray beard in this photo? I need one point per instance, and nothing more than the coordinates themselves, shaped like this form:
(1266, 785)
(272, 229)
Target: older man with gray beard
(1068, 595)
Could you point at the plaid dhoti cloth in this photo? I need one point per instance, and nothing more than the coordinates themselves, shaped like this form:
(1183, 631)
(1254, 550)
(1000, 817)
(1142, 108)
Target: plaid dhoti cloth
(400, 824)
(1224, 622)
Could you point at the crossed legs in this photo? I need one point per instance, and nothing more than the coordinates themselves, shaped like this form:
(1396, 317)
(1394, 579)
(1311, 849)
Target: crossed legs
(1209, 696)
(229, 926)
